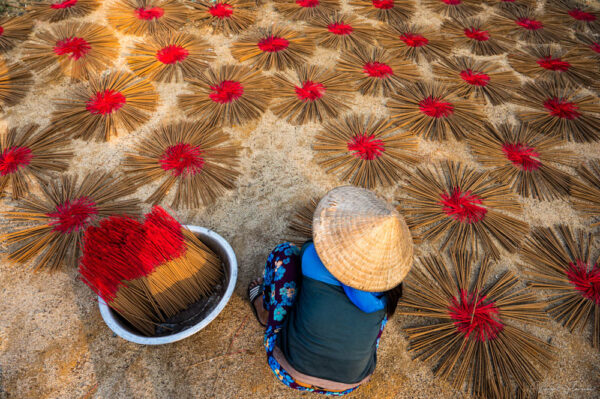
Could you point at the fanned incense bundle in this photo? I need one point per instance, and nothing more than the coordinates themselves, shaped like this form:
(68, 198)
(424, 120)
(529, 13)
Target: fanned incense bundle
(148, 272)
(365, 151)
(314, 95)
(229, 95)
(434, 112)
(511, 4)
(454, 9)
(173, 56)
(527, 25)
(225, 16)
(14, 31)
(15, 83)
(140, 17)
(196, 159)
(376, 72)
(26, 153)
(99, 109)
(469, 78)
(564, 264)
(565, 112)
(57, 10)
(460, 207)
(75, 49)
(389, 11)
(470, 335)
(574, 14)
(300, 226)
(340, 31)
(477, 36)
(410, 42)
(548, 63)
(524, 160)
(586, 193)
(273, 47)
(590, 45)
(56, 222)
(306, 9)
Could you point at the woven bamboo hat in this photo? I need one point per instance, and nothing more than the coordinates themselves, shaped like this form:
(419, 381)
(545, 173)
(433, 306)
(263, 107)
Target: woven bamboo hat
(361, 239)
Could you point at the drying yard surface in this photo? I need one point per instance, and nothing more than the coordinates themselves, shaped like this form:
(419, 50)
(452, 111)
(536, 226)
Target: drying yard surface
(54, 344)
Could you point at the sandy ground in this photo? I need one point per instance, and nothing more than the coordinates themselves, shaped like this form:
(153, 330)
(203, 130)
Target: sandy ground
(54, 344)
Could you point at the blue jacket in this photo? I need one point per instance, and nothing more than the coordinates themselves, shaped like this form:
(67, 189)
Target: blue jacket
(312, 267)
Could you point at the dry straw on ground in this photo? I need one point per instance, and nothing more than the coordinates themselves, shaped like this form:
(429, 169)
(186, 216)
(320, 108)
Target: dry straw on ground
(463, 209)
(229, 17)
(525, 160)
(365, 150)
(229, 95)
(434, 111)
(195, 159)
(315, 95)
(27, 154)
(564, 264)
(375, 71)
(79, 50)
(471, 337)
(174, 56)
(115, 103)
(56, 221)
(470, 78)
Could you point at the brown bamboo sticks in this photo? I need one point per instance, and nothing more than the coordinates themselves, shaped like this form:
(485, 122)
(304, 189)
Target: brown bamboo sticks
(366, 151)
(198, 161)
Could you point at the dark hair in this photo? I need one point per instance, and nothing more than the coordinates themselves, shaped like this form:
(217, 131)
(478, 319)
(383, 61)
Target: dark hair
(393, 296)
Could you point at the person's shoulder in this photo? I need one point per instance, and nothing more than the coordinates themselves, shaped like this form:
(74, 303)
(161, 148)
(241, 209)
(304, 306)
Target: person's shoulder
(313, 267)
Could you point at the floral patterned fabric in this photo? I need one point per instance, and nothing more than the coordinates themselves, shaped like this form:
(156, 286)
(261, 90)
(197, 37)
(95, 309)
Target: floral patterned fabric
(282, 281)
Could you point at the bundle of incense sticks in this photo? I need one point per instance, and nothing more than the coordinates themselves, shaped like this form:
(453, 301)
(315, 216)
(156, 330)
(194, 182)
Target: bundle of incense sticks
(147, 272)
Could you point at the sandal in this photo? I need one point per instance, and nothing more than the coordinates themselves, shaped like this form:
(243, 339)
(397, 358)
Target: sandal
(254, 291)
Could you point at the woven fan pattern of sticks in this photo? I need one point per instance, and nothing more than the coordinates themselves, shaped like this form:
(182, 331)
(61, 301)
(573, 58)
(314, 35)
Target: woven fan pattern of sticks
(170, 57)
(463, 209)
(564, 263)
(525, 160)
(365, 151)
(77, 50)
(225, 16)
(471, 337)
(60, 216)
(174, 93)
(306, 9)
(196, 158)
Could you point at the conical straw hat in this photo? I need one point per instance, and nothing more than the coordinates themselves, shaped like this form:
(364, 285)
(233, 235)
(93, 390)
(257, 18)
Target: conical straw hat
(361, 239)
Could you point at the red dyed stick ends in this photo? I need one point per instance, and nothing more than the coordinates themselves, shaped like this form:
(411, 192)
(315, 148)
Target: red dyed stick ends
(148, 272)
